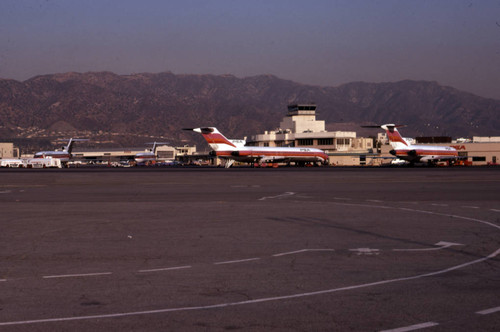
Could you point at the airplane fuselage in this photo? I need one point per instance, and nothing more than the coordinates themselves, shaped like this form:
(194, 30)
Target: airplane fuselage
(422, 153)
(62, 155)
(274, 154)
(143, 157)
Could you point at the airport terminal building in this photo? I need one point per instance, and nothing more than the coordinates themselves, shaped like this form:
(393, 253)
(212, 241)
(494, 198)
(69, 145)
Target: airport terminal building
(7, 150)
(301, 128)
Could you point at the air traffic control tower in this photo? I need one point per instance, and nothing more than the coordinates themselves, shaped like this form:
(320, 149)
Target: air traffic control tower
(301, 118)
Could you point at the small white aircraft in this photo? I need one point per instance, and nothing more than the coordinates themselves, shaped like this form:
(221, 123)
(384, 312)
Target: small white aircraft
(413, 153)
(64, 155)
(150, 156)
(235, 150)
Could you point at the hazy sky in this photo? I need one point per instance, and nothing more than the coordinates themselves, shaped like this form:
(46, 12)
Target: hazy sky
(319, 42)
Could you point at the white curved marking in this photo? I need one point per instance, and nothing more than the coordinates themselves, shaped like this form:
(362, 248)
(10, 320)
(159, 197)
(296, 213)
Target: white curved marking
(441, 245)
(488, 311)
(285, 297)
(166, 269)
(299, 251)
(238, 261)
(288, 193)
(454, 216)
(266, 299)
(412, 327)
(76, 275)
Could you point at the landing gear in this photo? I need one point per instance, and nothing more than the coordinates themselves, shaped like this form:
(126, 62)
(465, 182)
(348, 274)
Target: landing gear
(228, 163)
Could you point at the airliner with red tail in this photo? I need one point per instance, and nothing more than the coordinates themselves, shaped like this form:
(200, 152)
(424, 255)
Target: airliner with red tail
(235, 150)
(412, 153)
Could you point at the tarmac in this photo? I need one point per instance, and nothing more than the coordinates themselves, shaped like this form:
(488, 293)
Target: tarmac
(287, 249)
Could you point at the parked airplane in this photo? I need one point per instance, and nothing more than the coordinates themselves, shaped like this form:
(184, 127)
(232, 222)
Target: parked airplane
(412, 153)
(64, 155)
(235, 150)
(148, 157)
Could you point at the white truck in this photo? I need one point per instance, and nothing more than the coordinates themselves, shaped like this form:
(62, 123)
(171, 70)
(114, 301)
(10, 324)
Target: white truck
(47, 162)
(18, 163)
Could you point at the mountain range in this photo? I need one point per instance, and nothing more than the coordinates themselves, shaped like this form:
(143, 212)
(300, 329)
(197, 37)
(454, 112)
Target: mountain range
(130, 110)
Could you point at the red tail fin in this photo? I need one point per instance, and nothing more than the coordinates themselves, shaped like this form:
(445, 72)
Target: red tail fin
(393, 134)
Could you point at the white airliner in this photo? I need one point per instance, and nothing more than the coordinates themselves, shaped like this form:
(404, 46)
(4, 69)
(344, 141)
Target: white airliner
(412, 153)
(235, 150)
(64, 155)
(148, 157)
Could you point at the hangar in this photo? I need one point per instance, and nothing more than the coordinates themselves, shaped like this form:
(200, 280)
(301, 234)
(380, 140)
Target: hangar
(164, 153)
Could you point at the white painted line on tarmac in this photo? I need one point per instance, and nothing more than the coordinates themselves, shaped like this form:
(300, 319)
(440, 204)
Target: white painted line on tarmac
(494, 210)
(436, 204)
(166, 269)
(488, 311)
(288, 193)
(453, 216)
(238, 261)
(77, 275)
(276, 298)
(299, 251)
(440, 245)
(289, 253)
(471, 207)
(366, 251)
(412, 327)
(342, 198)
(374, 201)
(3, 280)
(261, 300)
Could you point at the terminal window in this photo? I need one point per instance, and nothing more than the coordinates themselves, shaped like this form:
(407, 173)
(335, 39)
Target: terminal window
(343, 141)
(305, 142)
(325, 141)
